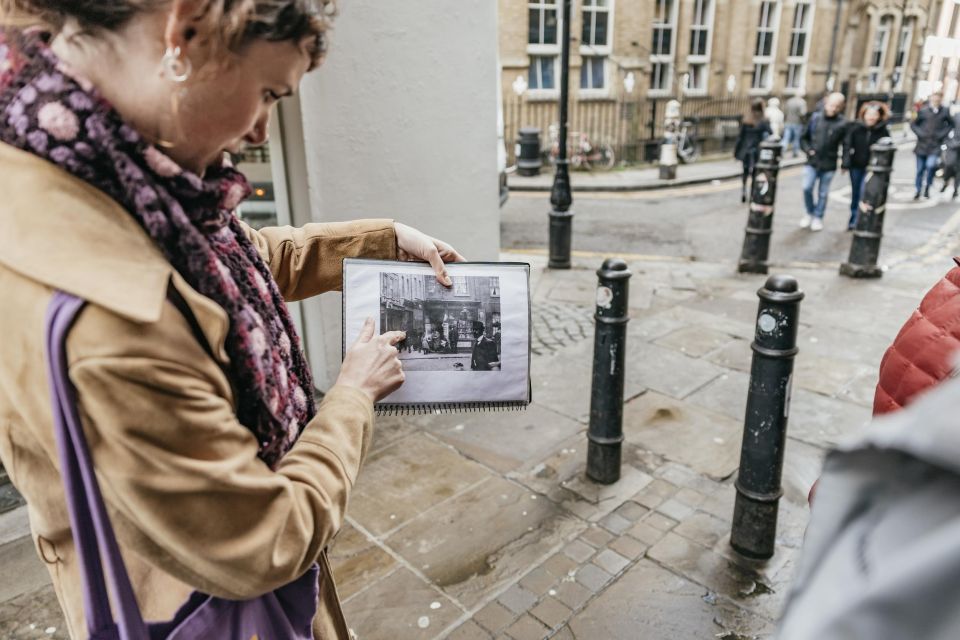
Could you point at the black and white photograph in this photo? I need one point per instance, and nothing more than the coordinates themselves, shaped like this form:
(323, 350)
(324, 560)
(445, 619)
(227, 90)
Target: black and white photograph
(448, 329)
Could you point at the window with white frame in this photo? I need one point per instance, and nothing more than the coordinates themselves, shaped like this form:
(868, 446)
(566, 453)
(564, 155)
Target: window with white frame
(765, 52)
(544, 22)
(542, 74)
(543, 44)
(595, 40)
(663, 45)
(799, 45)
(698, 57)
(878, 53)
(903, 52)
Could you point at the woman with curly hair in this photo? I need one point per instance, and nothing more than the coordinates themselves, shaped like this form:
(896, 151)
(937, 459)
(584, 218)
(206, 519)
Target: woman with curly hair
(219, 472)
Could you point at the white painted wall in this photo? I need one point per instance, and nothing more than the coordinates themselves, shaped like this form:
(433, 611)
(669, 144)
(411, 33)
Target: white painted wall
(399, 122)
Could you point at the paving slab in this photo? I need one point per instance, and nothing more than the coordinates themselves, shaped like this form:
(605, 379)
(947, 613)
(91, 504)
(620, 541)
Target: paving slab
(667, 371)
(398, 483)
(569, 394)
(727, 394)
(735, 355)
(747, 589)
(402, 605)
(696, 341)
(474, 544)
(33, 615)
(19, 558)
(822, 421)
(592, 501)
(652, 603)
(824, 375)
(505, 441)
(705, 441)
(357, 561)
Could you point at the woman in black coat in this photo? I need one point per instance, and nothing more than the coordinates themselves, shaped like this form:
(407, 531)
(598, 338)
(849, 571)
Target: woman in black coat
(753, 129)
(866, 130)
(951, 157)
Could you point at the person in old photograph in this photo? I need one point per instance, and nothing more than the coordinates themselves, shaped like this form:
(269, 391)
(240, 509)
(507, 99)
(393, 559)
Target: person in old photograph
(484, 356)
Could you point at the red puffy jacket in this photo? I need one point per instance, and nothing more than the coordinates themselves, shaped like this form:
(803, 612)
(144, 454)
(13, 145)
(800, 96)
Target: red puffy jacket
(923, 352)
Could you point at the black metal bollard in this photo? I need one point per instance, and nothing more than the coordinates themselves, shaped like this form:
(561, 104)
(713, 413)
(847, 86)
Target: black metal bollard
(865, 247)
(528, 152)
(763, 194)
(605, 435)
(765, 425)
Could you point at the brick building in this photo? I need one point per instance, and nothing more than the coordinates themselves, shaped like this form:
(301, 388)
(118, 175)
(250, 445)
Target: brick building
(713, 55)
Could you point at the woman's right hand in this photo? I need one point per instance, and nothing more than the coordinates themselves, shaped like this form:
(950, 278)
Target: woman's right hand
(372, 363)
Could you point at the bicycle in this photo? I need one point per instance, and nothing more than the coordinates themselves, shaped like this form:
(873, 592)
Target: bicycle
(584, 154)
(688, 151)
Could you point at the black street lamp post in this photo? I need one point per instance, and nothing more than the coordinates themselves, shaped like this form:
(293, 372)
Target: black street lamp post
(561, 219)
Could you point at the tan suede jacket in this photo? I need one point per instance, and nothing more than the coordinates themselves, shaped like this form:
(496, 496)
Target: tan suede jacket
(192, 504)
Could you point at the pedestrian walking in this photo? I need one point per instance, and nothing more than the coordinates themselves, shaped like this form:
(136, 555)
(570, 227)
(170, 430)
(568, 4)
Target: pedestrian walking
(454, 338)
(775, 117)
(753, 129)
(951, 156)
(196, 399)
(869, 127)
(931, 126)
(821, 141)
(794, 116)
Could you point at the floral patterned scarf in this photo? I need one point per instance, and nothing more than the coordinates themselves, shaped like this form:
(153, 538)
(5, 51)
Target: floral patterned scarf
(62, 119)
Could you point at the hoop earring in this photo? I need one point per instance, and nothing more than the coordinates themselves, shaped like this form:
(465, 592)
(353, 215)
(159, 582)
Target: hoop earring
(175, 68)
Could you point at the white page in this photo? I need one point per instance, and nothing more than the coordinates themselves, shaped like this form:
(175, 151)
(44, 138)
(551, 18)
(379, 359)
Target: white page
(450, 367)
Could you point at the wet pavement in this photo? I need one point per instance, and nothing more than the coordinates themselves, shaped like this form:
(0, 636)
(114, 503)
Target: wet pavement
(484, 526)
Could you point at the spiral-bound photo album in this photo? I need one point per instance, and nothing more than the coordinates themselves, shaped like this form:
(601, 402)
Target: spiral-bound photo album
(467, 346)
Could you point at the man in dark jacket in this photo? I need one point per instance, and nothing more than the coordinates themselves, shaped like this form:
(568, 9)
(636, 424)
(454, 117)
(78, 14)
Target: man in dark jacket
(931, 125)
(821, 141)
(484, 357)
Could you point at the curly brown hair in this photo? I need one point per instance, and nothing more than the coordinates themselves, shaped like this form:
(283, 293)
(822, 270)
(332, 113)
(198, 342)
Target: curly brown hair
(232, 24)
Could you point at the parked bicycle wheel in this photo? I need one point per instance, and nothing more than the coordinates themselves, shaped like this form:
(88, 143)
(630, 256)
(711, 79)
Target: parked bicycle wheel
(606, 159)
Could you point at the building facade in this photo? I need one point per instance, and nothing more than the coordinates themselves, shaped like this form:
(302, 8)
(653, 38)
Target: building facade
(711, 51)
(419, 305)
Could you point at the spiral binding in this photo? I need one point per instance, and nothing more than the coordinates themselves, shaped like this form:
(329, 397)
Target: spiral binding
(449, 407)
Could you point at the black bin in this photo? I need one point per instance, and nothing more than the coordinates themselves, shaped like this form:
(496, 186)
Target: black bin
(528, 155)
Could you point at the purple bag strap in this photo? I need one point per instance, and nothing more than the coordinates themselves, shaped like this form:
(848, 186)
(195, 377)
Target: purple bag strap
(93, 534)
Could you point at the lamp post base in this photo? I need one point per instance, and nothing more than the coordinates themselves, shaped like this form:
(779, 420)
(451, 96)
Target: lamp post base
(561, 237)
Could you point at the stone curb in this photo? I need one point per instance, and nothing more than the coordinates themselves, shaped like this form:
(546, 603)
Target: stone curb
(653, 185)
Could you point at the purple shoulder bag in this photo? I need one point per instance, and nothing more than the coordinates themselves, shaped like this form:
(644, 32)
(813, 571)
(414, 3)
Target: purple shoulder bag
(286, 613)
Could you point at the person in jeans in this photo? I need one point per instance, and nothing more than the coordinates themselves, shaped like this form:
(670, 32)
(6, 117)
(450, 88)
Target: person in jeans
(796, 111)
(753, 129)
(862, 133)
(931, 126)
(775, 117)
(821, 141)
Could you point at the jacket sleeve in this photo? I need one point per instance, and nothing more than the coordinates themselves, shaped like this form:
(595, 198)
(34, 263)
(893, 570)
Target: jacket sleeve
(916, 125)
(806, 141)
(848, 146)
(180, 475)
(738, 147)
(308, 260)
